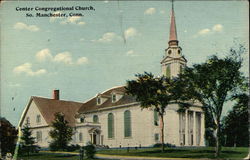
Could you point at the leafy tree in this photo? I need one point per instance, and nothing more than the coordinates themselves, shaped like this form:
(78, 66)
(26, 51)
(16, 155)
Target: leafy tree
(61, 133)
(27, 141)
(8, 136)
(156, 93)
(213, 83)
(235, 124)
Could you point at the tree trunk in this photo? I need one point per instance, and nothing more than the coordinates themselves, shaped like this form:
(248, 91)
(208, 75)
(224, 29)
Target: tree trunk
(162, 132)
(217, 138)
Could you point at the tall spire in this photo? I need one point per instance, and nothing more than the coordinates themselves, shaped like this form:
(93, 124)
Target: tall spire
(172, 34)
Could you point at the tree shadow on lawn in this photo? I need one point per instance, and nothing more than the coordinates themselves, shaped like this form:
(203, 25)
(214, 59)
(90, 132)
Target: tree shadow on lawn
(182, 153)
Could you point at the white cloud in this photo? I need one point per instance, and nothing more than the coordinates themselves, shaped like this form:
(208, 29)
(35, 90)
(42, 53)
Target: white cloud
(106, 1)
(73, 20)
(130, 32)
(26, 68)
(64, 57)
(107, 37)
(150, 11)
(23, 26)
(131, 53)
(44, 55)
(81, 23)
(82, 60)
(82, 39)
(217, 28)
(204, 31)
(162, 12)
(14, 84)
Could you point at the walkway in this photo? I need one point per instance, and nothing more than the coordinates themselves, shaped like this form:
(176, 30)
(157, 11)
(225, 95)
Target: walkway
(117, 157)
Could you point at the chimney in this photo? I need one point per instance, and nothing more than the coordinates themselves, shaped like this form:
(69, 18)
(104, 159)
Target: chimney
(56, 94)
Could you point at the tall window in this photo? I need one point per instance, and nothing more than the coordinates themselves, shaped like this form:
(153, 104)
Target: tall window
(38, 119)
(111, 125)
(168, 70)
(39, 136)
(156, 118)
(127, 124)
(181, 68)
(80, 137)
(95, 119)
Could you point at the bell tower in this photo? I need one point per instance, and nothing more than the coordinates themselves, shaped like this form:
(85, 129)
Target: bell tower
(173, 60)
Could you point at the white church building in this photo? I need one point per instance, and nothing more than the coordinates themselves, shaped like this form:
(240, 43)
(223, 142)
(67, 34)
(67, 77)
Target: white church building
(115, 119)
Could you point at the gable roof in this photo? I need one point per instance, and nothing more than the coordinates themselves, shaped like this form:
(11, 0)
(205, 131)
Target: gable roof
(48, 107)
(91, 104)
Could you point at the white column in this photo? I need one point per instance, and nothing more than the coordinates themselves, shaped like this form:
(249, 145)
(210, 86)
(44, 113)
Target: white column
(202, 138)
(194, 129)
(186, 128)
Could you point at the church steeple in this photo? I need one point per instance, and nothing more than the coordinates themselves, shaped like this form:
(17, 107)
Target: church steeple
(173, 61)
(172, 34)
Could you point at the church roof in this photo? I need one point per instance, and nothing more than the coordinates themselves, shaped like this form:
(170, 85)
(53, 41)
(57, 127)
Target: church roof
(91, 104)
(173, 33)
(48, 108)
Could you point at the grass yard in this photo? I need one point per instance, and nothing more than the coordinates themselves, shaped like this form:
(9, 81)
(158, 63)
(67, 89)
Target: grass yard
(49, 156)
(203, 152)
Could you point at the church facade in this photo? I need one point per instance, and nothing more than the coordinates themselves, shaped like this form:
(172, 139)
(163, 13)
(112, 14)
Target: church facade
(115, 119)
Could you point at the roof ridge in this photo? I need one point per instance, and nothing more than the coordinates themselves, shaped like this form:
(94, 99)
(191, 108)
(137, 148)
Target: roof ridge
(54, 99)
(113, 88)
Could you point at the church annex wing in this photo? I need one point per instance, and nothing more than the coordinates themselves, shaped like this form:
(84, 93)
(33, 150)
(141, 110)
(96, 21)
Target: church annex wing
(48, 107)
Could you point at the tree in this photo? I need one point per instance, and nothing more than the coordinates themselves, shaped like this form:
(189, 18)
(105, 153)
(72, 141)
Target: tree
(27, 141)
(152, 92)
(8, 136)
(61, 133)
(213, 83)
(235, 124)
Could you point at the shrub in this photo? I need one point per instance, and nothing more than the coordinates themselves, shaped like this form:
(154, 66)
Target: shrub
(157, 145)
(90, 150)
(73, 148)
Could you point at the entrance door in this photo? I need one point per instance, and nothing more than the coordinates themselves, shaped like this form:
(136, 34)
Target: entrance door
(94, 138)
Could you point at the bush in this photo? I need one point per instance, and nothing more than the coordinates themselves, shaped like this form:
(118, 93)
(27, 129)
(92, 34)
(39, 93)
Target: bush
(90, 150)
(157, 145)
(28, 149)
(73, 147)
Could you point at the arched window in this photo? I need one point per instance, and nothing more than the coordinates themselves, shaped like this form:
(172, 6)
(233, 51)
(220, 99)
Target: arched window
(111, 125)
(168, 71)
(82, 120)
(156, 118)
(95, 119)
(127, 124)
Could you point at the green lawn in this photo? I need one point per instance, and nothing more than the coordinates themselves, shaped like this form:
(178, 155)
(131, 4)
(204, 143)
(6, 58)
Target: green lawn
(49, 156)
(204, 152)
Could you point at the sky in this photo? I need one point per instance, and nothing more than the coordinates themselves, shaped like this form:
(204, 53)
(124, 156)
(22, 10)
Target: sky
(83, 56)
